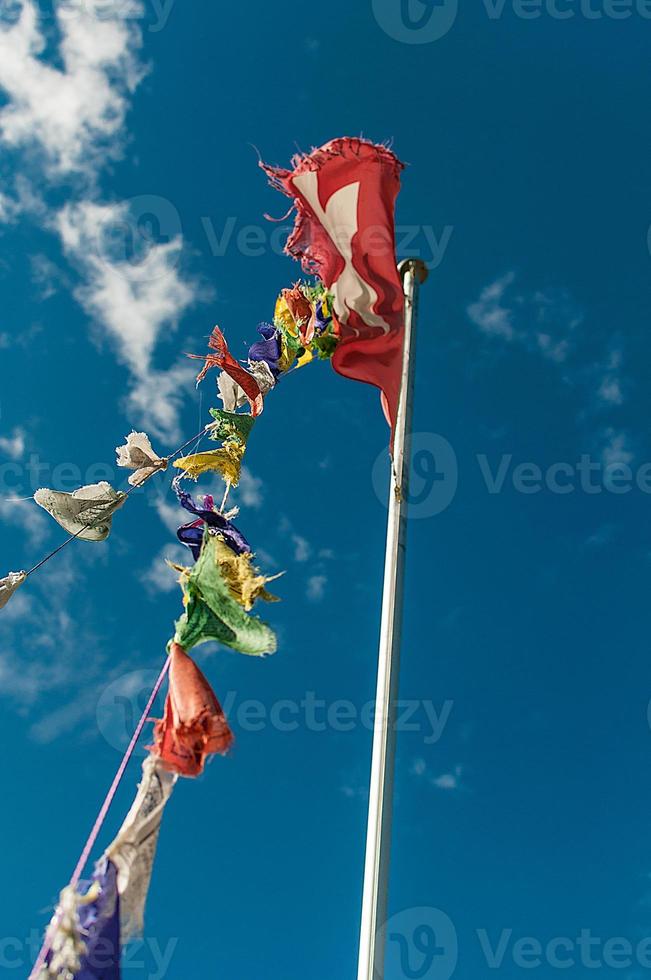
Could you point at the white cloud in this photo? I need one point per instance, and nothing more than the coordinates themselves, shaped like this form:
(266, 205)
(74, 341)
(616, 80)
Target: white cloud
(25, 514)
(249, 491)
(449, 780)
(67, 120)
(540, 322)
(159, 577)
(135, 305)
(316, 586)
(490, 314)
(302, 548)
(14, 445)
(73, 114)
(616, 448)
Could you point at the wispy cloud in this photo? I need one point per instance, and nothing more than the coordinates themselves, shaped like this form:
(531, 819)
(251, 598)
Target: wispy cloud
(316, 587)
(302, 548)
(540, 322)
(133, 307)
(67, 119)
(27, 516)
(159, 577)
(448, 781)
(72, 116)
(13, 445)
(250, 489)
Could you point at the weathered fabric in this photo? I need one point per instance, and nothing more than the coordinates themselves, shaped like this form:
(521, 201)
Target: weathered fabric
(245, 582)
(263, 375)
(134, 849)
(213, 614)
(301, 311)
(227, 461)
(194, 726)
(192, 534)
(345, 195)
(231, 425)
(268, 349)
(230, 393)
(137, 454)
(224, 359)
(85, 931)
(100, 923)
(87, 512)
(9, 584)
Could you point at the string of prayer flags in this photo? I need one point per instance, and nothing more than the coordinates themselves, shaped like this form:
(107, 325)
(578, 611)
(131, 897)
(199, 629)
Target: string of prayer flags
(9, 584)
(137, 454)
(86, 513)
(134, 849)
(344, 194)
(194, 726)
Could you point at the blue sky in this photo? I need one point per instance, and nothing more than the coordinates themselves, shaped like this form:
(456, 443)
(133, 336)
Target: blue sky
(131, 221)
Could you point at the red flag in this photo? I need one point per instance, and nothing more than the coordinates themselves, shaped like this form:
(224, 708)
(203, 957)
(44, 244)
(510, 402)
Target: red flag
(225, 360)
(194, 725)
(345, 195)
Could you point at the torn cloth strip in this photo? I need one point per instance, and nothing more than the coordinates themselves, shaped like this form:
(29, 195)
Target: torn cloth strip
(194, 725)
(345, 195)
(134, 849)
(225, 360)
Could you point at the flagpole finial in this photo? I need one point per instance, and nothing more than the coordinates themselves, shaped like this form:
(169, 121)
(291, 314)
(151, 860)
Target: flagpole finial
(417, 266)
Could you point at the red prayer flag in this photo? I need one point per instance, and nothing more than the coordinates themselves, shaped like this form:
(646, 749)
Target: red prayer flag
(194, 725)
(345, 195)
(225, 360)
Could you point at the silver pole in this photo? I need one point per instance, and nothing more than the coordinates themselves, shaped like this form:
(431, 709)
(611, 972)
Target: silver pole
(378, 841)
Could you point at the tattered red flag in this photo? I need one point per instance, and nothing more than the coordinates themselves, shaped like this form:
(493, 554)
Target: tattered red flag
(225, 360)
(345, 195)
(194, 725)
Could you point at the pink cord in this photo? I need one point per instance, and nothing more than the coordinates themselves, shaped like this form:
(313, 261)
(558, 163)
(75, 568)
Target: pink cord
(99, 823)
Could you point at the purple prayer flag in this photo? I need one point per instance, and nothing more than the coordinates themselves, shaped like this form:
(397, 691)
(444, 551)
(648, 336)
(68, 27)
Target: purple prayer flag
(192, 534)
(101, 924)
(268, 349)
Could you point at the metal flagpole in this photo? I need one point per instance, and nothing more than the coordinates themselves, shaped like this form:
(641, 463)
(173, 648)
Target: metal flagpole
(378, 841)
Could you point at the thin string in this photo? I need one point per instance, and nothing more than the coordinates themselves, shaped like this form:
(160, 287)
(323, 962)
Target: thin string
(196, 438)
(101, 818)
